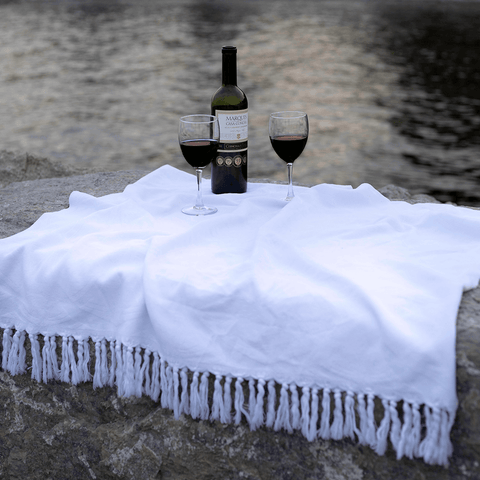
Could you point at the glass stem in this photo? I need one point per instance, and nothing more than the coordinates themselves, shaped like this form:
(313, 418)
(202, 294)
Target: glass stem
(290, 194)
(199, 202)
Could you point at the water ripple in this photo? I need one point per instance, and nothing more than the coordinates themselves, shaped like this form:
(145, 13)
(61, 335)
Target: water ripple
(391, 88)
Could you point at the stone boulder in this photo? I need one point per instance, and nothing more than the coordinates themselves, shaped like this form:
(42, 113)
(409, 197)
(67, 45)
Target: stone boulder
(59, 431)
(16, 167)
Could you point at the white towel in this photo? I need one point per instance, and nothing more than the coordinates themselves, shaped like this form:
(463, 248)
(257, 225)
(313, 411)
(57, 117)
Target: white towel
(337, 298)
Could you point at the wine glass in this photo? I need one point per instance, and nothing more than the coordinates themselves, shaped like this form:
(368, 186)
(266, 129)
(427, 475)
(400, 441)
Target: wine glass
(198, 136)
(289, 134)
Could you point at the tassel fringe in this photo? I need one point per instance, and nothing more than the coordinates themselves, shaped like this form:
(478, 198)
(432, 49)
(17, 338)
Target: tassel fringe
(417, 432)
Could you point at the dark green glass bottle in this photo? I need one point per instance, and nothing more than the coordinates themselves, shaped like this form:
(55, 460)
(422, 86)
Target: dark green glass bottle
(230, 105)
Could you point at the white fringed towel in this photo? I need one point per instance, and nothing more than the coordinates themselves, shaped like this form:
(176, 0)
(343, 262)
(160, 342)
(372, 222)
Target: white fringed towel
(337, 298)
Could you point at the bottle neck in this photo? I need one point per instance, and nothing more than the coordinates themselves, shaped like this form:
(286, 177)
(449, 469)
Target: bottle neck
(229, 68)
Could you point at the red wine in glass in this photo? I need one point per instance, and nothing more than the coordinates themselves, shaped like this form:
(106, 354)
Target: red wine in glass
(289, 134)
(198, 136)
(288, 147)
(199, 153)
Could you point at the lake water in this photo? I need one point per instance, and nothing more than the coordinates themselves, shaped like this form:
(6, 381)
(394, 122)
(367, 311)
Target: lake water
(392, 89)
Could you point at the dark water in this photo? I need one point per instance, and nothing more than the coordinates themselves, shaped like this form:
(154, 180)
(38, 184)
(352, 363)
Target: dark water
(392, 89)
(437, 50)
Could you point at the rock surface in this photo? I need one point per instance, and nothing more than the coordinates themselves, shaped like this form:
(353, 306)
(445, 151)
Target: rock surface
(22, 203)
(16, 167)
(59, 431)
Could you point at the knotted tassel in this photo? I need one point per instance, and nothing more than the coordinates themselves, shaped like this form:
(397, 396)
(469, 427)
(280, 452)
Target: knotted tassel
(396, 426)
(72, 362)
(80, 361)
(113, 365)
(103, 362)
(312, 430)
(194, 397)
(97, 375)
(325, 419)
(283, 412)
(405, 446)
(336, 430)
(22, 354)
(271, 404)
(155, 381)
(239, 402)
(371, 434)
(251, 401)
(16, 356)
(349, 426)
(138, 372)
(36, 358)
(294, 408)
(50, 361)
(128, 372)
(53, 357)
(47, 367)
(227, 400)
(145, 372)
(362, 413)
(445, 445)
(429, 445)
(258, 419)
(218, 406)
(417, 430)
(176, 393)
(119, 370)
(204, 407)
(163, 384)
(383, 429)
(170, 388)
(6, 346)
(184, 403)
(411, 431)
(83, 361)
(305, 407)
(13, 354)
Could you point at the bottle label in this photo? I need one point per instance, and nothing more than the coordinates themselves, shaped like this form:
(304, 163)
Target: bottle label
(233, 125)
(232, 148)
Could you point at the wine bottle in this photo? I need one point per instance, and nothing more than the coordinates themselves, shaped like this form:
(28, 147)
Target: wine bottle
(230, 106)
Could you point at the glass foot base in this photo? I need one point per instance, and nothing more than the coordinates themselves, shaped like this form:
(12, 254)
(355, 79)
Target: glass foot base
(288, 199)
(199, 210)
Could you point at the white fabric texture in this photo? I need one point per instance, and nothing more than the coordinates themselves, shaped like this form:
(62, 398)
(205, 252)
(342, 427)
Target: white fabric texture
(338, 296)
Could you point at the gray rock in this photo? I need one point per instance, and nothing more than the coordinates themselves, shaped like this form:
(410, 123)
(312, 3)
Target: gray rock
(18, 167)
(59, 431)
(393, 192)
(22, 203)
